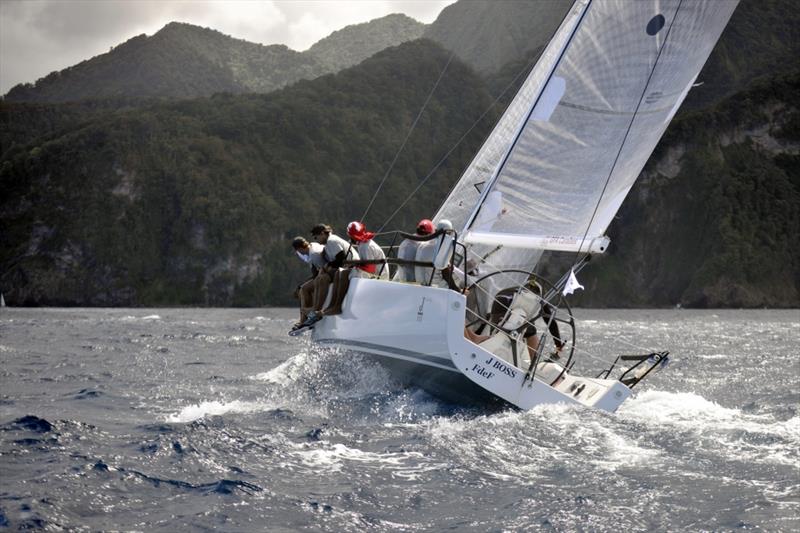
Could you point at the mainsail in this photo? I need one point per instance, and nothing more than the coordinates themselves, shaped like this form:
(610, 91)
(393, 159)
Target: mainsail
(559, 163)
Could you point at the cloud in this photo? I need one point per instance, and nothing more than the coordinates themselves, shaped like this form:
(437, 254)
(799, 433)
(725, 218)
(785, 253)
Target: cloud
(38, 37)
(244, 19)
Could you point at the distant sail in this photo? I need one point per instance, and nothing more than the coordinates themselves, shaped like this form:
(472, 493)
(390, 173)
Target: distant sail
(571, 144)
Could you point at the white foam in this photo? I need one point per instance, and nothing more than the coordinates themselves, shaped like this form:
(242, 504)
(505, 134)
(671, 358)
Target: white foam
(216, 408)
(712, 355)
(333, 374)
(290, 370)
(662, 407)
(148, 317)
(726, 426)
(334, 457)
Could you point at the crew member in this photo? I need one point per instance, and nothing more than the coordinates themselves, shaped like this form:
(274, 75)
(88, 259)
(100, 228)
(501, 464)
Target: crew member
(408, 251)
(311, 254)
(336, 251)
(367, 250)
(503, 300)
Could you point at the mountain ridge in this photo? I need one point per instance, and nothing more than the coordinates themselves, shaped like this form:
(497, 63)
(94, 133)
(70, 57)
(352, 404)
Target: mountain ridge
(186, 61)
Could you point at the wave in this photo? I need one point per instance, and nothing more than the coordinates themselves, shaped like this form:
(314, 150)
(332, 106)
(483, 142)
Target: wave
(148, 317)
(216, 408)
(288, 371)
(325, 374)
(756, 437)
(28, 422)
(324, 456)
(328, 383)
(221, 486)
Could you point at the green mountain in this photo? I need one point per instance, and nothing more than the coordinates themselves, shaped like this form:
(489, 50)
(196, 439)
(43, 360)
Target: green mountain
(487, 35)
(186, 61)
(179, 61)
(762, 39)
(353, 44)
(193, 202)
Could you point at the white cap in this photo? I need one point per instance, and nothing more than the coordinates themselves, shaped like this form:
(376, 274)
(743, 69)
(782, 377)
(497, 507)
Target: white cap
(444, 224)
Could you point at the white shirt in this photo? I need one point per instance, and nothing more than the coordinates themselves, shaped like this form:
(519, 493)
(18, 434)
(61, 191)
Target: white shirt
(314, 256)
(335, 245)
(372, 250)
(408, 251)
(424, 254)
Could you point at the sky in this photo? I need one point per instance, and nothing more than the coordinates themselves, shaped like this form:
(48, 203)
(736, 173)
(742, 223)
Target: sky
(40, 36)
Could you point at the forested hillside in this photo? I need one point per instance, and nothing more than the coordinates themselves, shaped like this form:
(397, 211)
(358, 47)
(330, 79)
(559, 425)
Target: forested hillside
(352, 44)
(762, 40)
(179, 61)
(487, 34)
(194, 202)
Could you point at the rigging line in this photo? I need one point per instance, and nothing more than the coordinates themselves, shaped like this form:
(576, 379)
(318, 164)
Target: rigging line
(408, 135)
(627, 132)
(525, 69)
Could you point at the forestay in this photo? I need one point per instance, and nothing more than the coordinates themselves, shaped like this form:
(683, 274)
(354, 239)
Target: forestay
(561, 160)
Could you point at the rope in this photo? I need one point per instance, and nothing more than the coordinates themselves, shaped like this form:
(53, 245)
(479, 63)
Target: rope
(413, 125)
(459, 141)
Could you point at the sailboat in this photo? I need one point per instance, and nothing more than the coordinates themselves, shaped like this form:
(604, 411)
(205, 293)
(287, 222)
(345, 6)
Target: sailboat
(550, 177)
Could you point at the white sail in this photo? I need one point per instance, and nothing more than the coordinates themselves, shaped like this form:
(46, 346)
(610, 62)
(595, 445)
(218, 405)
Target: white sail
(558, 165)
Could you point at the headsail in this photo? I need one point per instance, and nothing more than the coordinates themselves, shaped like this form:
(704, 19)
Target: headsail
(558, 165)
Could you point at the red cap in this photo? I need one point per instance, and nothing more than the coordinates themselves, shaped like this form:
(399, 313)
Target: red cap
(358, 232)
(425, 227)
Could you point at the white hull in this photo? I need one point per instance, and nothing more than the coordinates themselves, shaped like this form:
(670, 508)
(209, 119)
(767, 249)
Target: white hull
(418, 332)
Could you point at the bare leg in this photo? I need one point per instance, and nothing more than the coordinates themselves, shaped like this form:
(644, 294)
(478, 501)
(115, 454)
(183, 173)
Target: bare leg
(474, 337)
(341, 286)
(306, 298)
(321, 284)
(337, 281)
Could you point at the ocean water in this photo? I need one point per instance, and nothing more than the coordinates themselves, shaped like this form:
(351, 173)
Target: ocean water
(197, 419)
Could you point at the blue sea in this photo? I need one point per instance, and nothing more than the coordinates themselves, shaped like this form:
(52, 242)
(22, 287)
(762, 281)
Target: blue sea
(199, 419)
